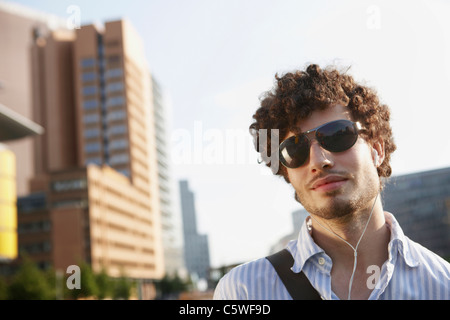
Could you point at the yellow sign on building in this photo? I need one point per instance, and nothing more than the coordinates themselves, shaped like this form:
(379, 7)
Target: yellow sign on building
(13, 126)
(8, 208)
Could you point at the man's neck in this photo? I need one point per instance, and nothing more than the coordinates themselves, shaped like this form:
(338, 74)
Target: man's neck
(372, 249)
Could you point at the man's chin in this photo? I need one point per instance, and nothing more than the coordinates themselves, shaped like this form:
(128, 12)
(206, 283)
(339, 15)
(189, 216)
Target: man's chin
(332, 207)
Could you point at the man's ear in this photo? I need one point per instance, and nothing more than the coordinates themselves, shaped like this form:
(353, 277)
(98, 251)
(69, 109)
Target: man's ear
(378, 152)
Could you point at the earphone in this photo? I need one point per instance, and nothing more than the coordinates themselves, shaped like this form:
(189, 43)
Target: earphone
(375, 157)
(355, 249)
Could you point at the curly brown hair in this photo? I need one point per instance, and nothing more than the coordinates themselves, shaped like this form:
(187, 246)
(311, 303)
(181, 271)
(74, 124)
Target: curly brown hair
(297, 94)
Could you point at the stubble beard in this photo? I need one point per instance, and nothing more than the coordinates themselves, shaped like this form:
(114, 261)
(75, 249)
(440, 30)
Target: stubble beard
(342, 209)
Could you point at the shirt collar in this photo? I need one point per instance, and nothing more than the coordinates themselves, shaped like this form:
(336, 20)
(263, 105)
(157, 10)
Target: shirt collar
(304, 247)
(398, 242)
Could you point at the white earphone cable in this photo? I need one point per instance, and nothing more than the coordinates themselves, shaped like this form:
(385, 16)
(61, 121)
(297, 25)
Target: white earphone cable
(355, 261)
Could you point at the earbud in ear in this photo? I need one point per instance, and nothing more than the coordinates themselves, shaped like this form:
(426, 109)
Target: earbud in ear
(375, 157)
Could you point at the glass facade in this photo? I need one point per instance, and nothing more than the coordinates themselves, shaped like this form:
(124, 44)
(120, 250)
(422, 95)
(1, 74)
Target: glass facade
(103, 91)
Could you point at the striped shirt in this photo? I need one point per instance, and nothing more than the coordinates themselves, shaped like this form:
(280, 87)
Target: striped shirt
(411, 272)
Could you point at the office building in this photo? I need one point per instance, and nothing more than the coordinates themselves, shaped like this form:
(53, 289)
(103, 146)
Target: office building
(421, 203)
(93, 95)
(170, 214)
(92, 214)
(13, 126)
(18, 25)
(196, 247)
(93, 192)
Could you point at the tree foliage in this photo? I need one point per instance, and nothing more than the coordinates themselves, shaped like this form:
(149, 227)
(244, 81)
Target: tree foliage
(31, 283)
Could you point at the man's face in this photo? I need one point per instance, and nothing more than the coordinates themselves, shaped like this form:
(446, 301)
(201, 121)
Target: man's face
(333, 185)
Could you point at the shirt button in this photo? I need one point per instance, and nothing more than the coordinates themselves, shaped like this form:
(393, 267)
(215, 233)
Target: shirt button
(321, 261)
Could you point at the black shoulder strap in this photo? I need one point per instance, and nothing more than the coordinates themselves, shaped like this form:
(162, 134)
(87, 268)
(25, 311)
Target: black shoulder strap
(297, 284)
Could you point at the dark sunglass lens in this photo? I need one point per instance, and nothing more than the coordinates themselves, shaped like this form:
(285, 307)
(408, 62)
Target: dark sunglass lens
(337, 136)
(294, 151)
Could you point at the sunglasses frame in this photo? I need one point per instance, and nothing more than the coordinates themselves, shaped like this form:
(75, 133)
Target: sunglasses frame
(356, 125)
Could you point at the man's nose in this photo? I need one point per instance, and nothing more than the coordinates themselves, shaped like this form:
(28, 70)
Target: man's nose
(319, 158)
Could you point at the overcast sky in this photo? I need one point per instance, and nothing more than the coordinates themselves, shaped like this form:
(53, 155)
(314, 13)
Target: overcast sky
(215, 58)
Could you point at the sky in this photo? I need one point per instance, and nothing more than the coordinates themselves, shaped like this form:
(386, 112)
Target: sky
(214, 60)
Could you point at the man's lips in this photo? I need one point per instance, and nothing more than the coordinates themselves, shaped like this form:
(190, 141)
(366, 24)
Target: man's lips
(329, 182)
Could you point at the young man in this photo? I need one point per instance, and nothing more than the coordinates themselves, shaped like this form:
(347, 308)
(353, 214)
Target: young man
(336, 144)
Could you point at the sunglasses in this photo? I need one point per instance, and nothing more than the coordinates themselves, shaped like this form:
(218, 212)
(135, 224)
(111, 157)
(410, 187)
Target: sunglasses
(334, 136)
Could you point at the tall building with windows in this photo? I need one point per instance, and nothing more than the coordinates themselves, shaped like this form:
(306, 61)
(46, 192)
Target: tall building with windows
(421, 203)
(94, 191)
(113, 101)
(196, 247)
(170, 216)
(93, 94)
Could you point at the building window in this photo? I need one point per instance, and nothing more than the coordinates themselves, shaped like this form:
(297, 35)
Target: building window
(113, 73)
(115, 86)
(69, 185)
(115, 101)
(94, 160)
(33, 227)
(76, 203)
(119, 159)
(89, 90)
(88, 62)
(91, 133)
(92, 147)
(90, 104)
(116, 115)
(88, 76)
(118, 144)
(117, 129)
(37, 247)
(32, 202)
(91, 118)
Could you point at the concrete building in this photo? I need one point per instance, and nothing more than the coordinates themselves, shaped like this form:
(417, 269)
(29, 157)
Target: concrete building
(170, 213)
(92, 93)
(13, 126)
(92, 187)
(196, 247)
(92, 214)
(18, 25)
